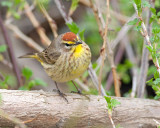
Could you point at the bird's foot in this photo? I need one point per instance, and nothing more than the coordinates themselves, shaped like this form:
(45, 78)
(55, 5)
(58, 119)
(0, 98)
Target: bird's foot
(62, 95)
(80, 93)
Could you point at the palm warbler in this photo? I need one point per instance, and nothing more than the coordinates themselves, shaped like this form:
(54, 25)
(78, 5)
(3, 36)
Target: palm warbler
(65, 59)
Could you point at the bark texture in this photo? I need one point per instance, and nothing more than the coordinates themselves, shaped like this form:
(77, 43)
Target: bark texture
(49, 110)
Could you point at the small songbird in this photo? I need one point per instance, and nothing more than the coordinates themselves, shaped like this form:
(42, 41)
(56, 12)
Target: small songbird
(65, 59)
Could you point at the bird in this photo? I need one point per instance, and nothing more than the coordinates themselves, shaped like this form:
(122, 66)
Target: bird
(66, 58)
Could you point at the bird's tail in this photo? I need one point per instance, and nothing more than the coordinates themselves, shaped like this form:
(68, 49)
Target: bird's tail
(29, 55)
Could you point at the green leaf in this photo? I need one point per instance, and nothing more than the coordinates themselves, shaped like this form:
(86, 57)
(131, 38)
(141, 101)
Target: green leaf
(73, 27)
(115, 102)
(156, 75)
(23, 88)
(138, 3)
(74, 5)
(146, 4)
(81, 34)
(156, 82)
(150, 81)
(108, 99)
(31, 84)
(150, 48)
(7, 3)
(153, 10)
(16, 15)
(40, 82)
(133, 22)
(158, 14)
(137, 28)
(151, 20)
(157, 98)
(27, 73)
(3, 48)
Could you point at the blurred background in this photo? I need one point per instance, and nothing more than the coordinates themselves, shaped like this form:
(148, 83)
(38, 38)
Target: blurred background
(127, 53)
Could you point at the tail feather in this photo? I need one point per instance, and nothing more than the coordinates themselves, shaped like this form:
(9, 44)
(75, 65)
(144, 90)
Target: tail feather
(29, 55)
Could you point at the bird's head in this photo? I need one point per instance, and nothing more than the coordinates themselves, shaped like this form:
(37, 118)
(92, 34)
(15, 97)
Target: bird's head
(70, 41)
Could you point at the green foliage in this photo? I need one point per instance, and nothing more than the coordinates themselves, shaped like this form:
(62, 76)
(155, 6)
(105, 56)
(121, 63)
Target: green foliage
(75, 29)
(122, 70)
(27, 73)
(139, 6)
(145, 4)
(111, 103)
(3, 48)
(154, 17)
(133, 22)
(74, 5)
(92, 36)
(155, 84)
(29, 84)
(118, 126)
(4, 83)
(13, 7)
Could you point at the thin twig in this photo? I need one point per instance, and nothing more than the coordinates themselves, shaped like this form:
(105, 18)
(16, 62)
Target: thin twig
(110, 117)
(51, 22)
(11, 19)
(25, 38)
(1, 77)
(94, 78)
(146, 36)
(95, 11)
(44, 39)
(118, 57)
(10, 51)
(103, 49)
(122, 32)
(61, 8)
(82, 85)
(134, 69)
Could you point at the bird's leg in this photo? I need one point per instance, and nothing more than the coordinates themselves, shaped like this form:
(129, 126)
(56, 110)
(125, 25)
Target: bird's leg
(60, 93)
(78, 91)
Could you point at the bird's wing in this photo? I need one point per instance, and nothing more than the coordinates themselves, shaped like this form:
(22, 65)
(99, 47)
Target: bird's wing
(49, 57)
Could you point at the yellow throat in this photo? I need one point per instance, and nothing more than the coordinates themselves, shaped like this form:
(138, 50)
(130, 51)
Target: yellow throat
(78, 51)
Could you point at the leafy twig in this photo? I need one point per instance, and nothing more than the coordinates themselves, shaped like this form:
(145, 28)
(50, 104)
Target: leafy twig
(146, 36)
(144, 62)
(10, 51)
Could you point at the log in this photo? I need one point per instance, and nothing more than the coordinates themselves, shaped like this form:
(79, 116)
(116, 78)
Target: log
(48, 110)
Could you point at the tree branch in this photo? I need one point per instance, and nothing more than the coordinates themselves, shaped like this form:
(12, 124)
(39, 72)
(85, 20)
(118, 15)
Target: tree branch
(10, 51)
(48, 109)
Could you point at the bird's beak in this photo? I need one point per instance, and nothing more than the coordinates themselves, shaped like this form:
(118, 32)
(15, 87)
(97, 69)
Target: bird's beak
(78, 42)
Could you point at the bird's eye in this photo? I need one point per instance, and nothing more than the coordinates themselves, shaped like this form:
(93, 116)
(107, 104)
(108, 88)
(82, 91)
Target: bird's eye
(67, 44)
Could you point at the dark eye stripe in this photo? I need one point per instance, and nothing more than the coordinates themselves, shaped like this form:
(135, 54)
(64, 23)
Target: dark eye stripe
(69, 44)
